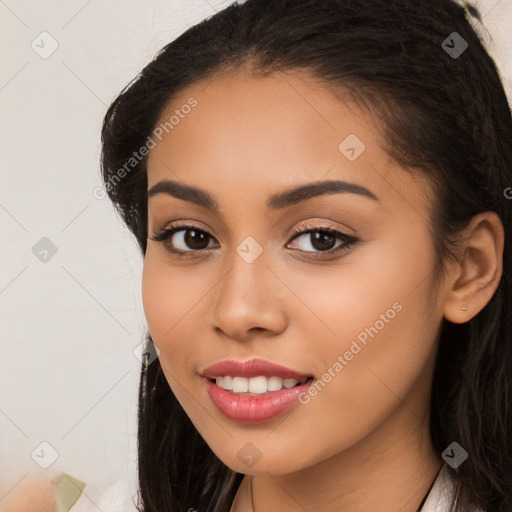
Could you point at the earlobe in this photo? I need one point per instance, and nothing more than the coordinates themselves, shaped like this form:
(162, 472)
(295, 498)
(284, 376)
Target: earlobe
(476, 275)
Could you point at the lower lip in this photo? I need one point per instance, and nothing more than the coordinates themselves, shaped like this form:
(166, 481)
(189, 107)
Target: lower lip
(257, 408)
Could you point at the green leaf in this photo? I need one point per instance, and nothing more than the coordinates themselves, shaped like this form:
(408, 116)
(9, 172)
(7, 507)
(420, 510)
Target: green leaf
(67, 490)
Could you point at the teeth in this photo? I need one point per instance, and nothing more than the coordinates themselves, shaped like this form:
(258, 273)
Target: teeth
(240, 385)
(228, 382)
(289, 383)
(274, 383)
(255, 385)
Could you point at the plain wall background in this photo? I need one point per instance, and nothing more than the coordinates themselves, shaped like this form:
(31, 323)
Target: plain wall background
(69, 326)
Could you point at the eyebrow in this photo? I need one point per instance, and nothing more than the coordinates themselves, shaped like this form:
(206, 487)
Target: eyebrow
(274, 202)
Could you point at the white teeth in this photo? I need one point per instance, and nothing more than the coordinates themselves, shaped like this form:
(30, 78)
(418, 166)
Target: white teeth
(274, 383)
(228, 382)
(258, 385)
(240, 384)
(289, 383)
(255, 385)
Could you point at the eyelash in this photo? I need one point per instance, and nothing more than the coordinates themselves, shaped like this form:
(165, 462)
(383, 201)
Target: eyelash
(348, 240)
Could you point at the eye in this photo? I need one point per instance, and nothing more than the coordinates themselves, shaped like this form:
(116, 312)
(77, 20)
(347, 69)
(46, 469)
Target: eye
(179, 238)
(323, 239)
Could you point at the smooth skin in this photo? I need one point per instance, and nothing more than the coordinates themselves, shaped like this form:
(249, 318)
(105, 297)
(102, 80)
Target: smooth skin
(362, 442)
(32, 494)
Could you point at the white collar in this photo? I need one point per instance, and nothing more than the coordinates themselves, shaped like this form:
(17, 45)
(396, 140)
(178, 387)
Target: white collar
(441, 494)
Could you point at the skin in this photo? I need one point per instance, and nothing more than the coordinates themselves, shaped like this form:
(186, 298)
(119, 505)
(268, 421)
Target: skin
(362, 443)
(33, 494)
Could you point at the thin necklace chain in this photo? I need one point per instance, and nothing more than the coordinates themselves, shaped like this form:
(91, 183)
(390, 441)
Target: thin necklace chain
(419, 509)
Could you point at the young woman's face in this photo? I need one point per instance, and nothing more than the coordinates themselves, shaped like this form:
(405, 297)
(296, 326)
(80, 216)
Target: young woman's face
(356, 308)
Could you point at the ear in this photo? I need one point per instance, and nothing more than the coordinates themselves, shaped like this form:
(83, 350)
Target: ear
(474, 278)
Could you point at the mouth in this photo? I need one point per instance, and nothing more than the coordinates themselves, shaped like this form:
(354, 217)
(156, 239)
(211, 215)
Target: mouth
(254, 390)
(240, 404)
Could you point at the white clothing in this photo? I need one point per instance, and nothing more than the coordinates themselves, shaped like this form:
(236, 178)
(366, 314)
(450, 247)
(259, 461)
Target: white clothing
(440, 496)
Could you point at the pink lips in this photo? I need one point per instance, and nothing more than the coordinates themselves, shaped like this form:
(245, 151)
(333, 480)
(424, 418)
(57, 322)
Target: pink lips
(257, 408)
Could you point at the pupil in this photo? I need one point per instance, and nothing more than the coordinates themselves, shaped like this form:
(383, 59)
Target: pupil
(195, 243)
(323, 241)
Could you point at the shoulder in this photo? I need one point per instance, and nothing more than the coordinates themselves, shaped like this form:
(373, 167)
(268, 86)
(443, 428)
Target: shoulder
(441, 494)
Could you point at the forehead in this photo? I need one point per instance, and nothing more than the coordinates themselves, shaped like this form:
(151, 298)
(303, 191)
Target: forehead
(262, 134)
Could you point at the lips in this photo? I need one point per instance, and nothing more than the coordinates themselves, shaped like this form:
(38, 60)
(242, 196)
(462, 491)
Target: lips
(251, 368)
(249, 407)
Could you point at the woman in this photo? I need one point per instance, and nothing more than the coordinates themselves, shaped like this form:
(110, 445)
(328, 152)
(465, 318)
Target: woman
(321, 193)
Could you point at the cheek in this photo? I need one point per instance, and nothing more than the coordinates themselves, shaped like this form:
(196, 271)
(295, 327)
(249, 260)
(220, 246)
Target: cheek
(383, 289)
(382, 321)
(156, 300)
(372, 325)
(173, 300)
(375, 369)
(168, 295)
(387, 308)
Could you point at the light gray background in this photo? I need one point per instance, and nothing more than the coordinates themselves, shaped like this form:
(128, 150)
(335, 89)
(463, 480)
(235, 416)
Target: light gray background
(69, 326)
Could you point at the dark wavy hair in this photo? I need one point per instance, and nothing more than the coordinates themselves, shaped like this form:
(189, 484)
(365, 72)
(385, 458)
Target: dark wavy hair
(443, 115)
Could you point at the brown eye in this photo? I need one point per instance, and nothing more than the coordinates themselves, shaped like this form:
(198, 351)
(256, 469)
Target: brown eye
(323, 239)
(194, 239)
(183, 239)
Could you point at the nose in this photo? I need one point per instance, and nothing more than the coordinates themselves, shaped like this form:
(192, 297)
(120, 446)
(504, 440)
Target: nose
(248, 299)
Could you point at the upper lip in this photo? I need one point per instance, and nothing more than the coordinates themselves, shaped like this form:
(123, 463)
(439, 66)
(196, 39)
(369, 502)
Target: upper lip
(251, 368)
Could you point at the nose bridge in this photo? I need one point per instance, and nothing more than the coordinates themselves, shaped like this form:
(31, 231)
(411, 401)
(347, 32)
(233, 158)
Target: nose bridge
(244, 298)
(246, 278)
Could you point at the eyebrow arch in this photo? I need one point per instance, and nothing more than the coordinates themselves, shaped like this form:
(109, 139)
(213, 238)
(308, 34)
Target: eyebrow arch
(274, 202)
